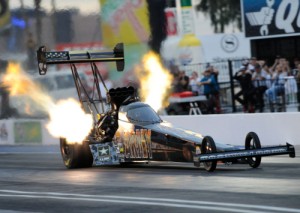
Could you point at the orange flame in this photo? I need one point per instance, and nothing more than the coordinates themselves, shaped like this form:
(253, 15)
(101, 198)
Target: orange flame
(155, 81)
(18, 83)
(67, 119)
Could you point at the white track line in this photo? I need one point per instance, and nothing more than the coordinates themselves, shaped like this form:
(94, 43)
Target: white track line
(148, 201)
(135, 202)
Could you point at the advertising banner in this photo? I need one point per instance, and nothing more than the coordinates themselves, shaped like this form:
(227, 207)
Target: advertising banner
(271, 18)
(28, 132)
(124, 21)
(171, 17)
(216, 48)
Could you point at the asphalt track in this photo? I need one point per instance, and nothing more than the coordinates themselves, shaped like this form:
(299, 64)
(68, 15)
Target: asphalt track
(33, 179)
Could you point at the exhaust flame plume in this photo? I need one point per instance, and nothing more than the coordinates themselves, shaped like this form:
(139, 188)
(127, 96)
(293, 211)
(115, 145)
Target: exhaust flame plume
(66, 112)
(155, 81)
(18, 83)
(67, 119)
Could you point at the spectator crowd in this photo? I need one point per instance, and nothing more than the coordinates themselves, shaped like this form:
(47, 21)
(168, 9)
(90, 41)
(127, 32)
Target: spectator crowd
(260, 84)
(205, 85)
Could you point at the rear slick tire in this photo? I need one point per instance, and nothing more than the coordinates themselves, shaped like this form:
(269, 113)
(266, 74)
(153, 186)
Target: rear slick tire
(208, 146)
(76, 155)
(252, 142)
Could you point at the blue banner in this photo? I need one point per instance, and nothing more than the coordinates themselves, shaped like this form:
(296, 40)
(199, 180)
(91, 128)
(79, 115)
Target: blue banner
(271, 18)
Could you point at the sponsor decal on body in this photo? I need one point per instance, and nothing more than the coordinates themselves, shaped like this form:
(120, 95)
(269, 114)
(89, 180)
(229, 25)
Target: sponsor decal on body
(134, 144)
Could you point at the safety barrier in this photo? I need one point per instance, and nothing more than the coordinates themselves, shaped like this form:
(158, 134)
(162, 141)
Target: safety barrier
(272, 128)
(25, 131)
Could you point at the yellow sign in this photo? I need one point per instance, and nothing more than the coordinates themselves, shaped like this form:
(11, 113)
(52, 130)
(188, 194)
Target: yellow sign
(4, 13)
(124, 21)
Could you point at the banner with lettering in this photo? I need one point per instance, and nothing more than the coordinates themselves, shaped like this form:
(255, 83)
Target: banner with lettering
(271, 18)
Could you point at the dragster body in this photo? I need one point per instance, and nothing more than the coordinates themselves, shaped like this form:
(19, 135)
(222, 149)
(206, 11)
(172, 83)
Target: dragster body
(131, 131)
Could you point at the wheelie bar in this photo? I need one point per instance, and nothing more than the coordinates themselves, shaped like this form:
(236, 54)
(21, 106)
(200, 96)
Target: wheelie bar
(237, 154)
(64, 57)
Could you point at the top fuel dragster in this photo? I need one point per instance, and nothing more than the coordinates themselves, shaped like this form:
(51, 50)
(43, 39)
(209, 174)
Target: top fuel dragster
(130, 131)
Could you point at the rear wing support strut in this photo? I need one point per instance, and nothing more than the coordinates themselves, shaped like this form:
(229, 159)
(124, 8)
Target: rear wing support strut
(96, 74)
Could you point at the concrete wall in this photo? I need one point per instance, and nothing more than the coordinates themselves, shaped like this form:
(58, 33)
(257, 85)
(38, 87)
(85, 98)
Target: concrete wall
(25, 131)
(272, 128)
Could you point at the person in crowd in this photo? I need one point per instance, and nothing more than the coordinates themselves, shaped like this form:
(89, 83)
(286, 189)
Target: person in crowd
(245, 63)
(297, 76)
(286, 66)
(244, 77)
(252, 63)
(268, 72)
(276, 62)
(175, 83)
(193, 83)
(184, 80)
(296, 63)
(294, 70)
(211, 90)
(284, 63)
(215, 73)
(181, 82)
(291, 89)
(277, 87)
(259, 81)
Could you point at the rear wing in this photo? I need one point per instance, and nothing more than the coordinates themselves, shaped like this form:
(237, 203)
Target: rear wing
(64, 57)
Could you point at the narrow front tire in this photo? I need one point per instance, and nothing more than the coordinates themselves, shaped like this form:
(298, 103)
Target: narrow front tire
(208, 146)
(252, 142)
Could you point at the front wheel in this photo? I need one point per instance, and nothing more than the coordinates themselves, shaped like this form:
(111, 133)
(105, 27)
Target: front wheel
(253, 142)
(208, 146)
(76, 155)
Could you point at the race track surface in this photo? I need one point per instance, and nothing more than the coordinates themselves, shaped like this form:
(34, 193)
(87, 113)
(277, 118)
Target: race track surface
(34, 179)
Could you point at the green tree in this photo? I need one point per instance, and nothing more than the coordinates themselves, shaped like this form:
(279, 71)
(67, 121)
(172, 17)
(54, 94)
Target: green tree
(222, 13)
